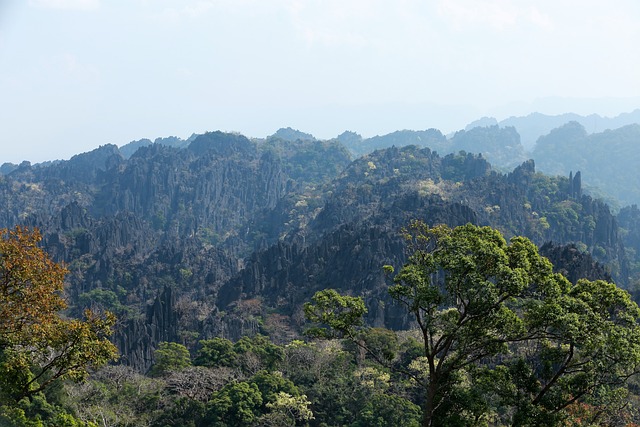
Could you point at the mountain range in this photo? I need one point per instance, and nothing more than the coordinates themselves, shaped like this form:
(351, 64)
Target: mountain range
(222, 235)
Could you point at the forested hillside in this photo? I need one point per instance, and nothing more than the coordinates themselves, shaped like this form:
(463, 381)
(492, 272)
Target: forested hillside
(612, 155)
(223, 220)
(604, 150)
(220, 237)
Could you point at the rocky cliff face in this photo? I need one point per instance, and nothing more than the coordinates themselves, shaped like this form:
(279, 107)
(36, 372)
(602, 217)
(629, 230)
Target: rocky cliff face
(138, 338)
(166, 221)
(629, 220)
(574, 264)
(348, 258)
(213, 238)
(357, 230)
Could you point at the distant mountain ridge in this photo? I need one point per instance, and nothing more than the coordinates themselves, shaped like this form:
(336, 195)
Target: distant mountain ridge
(535, 125)
(611, 158)
(180, 242)
(505, 144)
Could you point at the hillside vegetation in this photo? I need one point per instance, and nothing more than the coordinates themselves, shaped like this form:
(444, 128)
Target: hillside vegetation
(209, 248)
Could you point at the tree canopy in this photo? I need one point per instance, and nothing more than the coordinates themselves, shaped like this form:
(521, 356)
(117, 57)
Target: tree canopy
(38, 345)
(503, 336)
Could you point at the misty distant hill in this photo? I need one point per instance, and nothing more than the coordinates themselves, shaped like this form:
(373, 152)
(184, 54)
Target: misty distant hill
(535, 125)
(604, 149)
(608, 160)
(172, 141)
(291, 135)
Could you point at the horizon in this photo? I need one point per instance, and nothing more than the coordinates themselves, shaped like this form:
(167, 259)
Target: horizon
(77, 74)
(364, 136)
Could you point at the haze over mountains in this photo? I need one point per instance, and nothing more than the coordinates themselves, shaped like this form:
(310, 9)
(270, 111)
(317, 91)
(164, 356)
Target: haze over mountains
(175, 236)
(514, 140)
(228, 177)
(535, 125)
(220, 240)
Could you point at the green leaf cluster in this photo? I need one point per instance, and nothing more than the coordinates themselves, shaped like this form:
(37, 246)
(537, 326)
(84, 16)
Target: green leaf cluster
(504, 339)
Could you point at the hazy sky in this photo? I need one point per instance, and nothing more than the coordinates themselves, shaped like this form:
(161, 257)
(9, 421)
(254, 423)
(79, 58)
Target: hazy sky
(76, 74)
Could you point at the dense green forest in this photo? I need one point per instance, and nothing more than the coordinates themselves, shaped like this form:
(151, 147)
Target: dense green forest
(247, 280)
(500, 340)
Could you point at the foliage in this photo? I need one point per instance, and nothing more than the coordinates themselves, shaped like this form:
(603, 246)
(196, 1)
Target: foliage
(271, 384)
(183, 412)
(37, 345)
(381, 344)
(341, 314)
(257, 353)
(388, 410)
(463, 313)
(104, 299)
(216, 352)
(287, 410)
(236, 404)
(115, 395)
(37, 412)
(169, 357)
(30, 287)
(589, 346)
(330, 228)
(479, 302)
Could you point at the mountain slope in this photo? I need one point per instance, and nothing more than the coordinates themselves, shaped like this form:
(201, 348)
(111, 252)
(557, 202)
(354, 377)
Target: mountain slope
(610, 157)
(223, 236)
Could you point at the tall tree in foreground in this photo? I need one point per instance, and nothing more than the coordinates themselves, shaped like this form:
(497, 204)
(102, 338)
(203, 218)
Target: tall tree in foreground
(503, 337)
(37, 344)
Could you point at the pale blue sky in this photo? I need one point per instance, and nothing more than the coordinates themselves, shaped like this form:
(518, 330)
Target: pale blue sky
(76, 74)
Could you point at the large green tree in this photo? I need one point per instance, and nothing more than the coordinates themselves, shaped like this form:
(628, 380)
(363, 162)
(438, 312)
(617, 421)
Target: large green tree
(502, 335)
(170, 357)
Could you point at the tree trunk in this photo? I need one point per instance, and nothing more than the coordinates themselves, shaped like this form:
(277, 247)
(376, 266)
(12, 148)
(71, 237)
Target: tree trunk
(430, 403)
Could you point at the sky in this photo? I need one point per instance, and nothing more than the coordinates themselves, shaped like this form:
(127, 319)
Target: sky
(77, 74)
